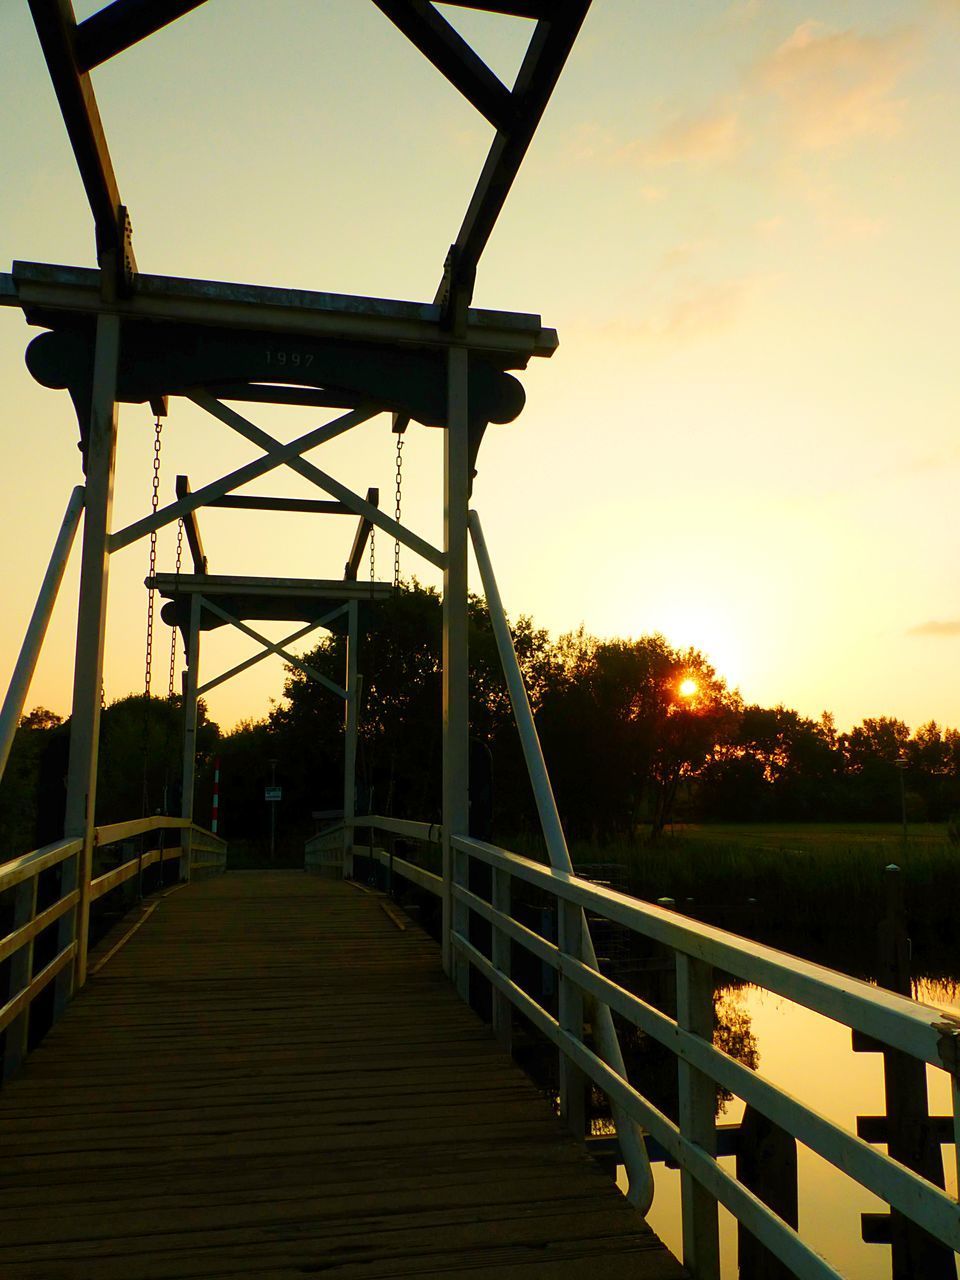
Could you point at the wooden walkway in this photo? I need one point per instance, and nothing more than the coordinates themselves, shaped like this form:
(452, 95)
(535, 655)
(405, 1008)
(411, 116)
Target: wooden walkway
(271, 1080)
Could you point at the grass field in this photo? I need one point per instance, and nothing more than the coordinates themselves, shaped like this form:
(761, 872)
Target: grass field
(814, 888)
(802, 836)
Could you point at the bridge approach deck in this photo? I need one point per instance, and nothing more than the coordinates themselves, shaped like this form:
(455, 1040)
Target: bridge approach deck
(271, 1080)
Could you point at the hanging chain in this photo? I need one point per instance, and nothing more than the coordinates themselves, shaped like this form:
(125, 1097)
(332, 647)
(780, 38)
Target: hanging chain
(396, 541)
(154, 503)
(173, 629)
(373, 556)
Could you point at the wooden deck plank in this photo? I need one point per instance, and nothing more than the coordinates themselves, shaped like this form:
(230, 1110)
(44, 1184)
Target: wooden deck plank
(270, 1080)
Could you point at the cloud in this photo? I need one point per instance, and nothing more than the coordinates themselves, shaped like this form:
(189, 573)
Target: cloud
(741, 12)
(840, 219)
(837, 85)
(949, 627)
(688, 313)
(819, 88)
(682, 255)
(705, 139)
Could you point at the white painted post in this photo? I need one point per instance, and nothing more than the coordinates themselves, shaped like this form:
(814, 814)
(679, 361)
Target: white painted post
(573, 1082)
(13, 703)
(191, 682)
(21, 971)
(697, 1119)
(955, 1095)
(91, 631)
(456, 662)
(350, 710)
(632, 1146)
(500, 954)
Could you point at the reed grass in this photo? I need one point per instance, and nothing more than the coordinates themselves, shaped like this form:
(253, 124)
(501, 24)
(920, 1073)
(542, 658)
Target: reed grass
(814, 889)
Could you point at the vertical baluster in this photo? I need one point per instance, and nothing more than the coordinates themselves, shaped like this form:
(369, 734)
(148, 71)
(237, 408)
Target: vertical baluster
(455, 664)
(100, 464)
(21, 971)
(191, 684)
(955, 1082)
(501, 955)
(573, 1083)
(701, 1239)
(350, 710)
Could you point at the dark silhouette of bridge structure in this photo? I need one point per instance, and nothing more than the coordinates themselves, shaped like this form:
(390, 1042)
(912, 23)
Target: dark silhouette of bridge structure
(278, 1074)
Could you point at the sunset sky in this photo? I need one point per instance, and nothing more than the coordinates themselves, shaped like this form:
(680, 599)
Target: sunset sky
(742, 220)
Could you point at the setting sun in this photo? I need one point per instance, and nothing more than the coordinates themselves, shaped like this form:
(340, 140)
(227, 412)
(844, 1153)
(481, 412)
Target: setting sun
(688, 688)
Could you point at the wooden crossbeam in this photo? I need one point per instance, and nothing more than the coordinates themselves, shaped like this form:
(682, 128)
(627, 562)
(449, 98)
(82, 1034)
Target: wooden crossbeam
(272, 393)
(278, 649)
(449, 52)
(56, 25)
(122, 24)
(290, 457)
(256, 502)
(191, 527)
(364, 526)
(542, 64)
(509, 8)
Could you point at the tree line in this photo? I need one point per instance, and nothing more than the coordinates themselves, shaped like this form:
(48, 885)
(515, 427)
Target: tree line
(635, 732)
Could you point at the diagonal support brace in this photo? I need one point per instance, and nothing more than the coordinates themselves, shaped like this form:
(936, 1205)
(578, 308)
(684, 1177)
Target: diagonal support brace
(278, 649)
(243, 475)
(259, 657)
(273, 448)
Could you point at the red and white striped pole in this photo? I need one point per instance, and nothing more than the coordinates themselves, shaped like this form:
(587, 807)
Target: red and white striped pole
(216, 795)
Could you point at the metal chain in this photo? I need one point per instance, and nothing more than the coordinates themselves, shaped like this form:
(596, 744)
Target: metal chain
(396, 541)
(154, 503)
(173, 629)
(373, 556)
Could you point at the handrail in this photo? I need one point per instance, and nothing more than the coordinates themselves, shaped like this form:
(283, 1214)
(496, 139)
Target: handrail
(117, 831)
(770, 1229)
(127, 870)
(20, 876)
(201, 838)
(429, 832)
(921, 1031)
(326, 834)
(31, 864)
(20, 1002)
(884, 1015)
(429, 881)
(20, 937)
(422, 832)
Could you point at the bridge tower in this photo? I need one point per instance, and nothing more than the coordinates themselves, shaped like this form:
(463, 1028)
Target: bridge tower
(117, 335)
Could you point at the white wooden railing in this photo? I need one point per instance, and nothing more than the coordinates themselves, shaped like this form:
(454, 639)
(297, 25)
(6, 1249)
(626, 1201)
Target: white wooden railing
(700, 950)
(19, 880)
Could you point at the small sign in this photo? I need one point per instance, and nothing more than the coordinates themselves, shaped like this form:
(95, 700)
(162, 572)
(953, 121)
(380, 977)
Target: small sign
(273, 793)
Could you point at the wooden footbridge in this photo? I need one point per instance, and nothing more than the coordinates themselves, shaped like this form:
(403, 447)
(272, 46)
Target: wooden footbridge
(271, 1075)
(271, 1079)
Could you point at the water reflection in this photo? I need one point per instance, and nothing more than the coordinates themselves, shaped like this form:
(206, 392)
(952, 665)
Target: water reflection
(812, 1058)
(734, 1034)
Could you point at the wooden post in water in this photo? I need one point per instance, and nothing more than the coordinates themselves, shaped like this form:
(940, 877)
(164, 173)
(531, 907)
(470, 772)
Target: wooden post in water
(767, 1165)
(911, 1137)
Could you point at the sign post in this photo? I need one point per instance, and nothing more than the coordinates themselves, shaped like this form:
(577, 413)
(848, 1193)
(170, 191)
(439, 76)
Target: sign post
(273, 794)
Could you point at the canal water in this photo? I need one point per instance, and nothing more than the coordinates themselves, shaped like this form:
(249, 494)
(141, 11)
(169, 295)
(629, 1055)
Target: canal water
(811, 1057)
